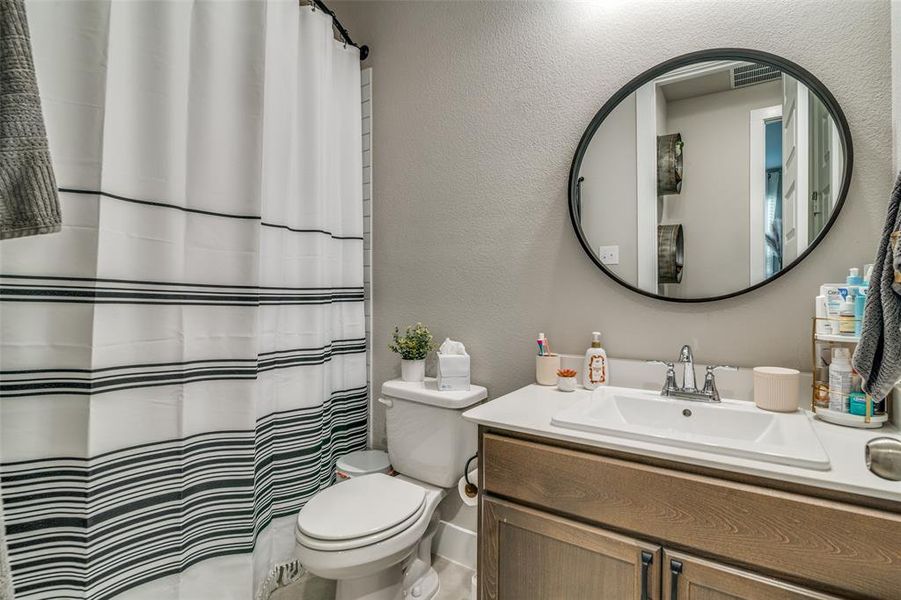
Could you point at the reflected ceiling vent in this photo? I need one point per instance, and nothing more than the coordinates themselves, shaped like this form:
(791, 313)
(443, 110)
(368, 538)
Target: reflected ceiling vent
(753, 74)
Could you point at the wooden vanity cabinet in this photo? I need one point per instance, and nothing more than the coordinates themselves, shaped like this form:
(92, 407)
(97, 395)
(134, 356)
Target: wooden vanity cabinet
(561, 521)
(532, 555)
(687, 577)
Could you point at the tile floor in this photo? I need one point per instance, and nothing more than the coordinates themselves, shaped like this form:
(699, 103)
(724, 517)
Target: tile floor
(454, 578)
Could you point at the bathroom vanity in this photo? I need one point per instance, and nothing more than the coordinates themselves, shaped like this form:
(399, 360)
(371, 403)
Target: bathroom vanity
(581, 514)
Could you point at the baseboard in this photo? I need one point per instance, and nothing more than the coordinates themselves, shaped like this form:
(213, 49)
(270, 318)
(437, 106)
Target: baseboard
(456, 544)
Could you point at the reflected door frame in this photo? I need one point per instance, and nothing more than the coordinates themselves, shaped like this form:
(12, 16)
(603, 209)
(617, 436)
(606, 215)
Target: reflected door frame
(646, 161)
(757, 189)
(795, 168)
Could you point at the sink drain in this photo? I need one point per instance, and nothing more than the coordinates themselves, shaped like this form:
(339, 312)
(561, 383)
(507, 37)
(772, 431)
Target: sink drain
(686, 413)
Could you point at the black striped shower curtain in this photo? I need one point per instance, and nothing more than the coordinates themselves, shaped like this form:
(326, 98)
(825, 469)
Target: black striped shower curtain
(184, 361)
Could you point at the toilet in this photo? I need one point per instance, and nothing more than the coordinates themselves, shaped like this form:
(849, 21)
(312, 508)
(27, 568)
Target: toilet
(373, 533)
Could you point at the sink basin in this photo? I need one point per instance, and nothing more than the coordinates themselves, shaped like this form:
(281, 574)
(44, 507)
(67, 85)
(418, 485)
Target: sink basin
(732, 427)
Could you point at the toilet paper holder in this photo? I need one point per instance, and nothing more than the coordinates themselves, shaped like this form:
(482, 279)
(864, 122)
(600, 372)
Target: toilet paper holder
(471, 489)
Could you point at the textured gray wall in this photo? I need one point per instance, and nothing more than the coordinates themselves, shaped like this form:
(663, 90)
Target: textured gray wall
(478, 109)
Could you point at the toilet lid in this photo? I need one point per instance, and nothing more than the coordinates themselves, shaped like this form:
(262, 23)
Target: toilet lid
(359, 507)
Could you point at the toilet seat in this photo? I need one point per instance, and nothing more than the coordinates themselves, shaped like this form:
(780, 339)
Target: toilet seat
(350, 544)
(359, 512)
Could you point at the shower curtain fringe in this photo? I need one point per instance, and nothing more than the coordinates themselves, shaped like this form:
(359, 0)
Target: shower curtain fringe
(280, 576)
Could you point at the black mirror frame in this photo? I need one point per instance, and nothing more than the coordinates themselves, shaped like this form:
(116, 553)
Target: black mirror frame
(758, 56)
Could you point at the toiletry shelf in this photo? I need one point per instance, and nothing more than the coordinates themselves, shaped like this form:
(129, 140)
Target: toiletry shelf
(820, 389)
(849, 420)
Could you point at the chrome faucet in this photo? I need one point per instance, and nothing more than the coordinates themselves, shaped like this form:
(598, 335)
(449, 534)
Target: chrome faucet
(688, 369)
(689, 389)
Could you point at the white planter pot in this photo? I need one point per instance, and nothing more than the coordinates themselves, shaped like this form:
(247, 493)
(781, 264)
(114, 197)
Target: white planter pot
(566, 384)
(412, 370)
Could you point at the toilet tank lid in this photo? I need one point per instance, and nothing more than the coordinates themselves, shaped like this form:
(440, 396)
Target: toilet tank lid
(427, 392)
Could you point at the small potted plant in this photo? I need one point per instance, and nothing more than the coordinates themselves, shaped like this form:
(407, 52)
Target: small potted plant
(566, 380)
(413, 347)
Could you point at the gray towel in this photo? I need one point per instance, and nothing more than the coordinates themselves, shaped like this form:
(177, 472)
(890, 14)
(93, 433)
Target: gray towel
(29, 204)
(878, 355)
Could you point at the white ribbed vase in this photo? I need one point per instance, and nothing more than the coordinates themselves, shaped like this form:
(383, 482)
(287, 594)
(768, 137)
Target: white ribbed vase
(776, 388)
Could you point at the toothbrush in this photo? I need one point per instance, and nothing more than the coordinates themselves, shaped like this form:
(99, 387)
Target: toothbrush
(544, 348)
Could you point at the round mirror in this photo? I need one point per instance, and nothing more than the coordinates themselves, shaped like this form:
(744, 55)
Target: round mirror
(710, 175)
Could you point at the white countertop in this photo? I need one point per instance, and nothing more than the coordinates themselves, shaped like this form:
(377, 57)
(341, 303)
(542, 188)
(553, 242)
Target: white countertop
(530, 409)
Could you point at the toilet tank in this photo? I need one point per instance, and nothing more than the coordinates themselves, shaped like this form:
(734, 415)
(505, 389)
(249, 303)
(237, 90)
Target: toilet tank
(428, 439)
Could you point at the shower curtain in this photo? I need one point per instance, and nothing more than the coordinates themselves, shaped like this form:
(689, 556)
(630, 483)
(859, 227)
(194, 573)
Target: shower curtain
(182, 364)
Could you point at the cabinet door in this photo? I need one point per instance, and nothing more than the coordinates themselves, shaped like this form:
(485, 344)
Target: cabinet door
(688, 578)
(526, 554)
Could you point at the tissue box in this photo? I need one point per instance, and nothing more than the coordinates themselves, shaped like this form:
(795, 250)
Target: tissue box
(453, 372)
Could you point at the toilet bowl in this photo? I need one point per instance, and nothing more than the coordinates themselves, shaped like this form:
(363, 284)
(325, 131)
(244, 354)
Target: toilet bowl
(373, 533)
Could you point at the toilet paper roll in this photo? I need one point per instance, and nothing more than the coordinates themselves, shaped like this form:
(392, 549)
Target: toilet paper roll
(461, 488)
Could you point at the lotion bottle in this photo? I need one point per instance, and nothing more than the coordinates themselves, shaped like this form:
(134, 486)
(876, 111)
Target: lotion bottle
(594, 368)
(846, 316)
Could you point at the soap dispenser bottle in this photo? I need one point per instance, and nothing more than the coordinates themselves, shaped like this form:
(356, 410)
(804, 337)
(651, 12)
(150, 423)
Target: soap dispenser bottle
(594, 369)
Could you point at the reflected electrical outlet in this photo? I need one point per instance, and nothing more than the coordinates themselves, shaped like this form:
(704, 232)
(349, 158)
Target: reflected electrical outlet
(609, 255)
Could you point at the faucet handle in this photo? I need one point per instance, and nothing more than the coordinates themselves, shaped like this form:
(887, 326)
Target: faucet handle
(670, 368)
(669, 384)
(665, 363)
(710, 389)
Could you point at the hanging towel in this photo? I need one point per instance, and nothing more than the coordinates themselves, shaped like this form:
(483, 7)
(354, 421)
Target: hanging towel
(878, 355)
(29, 204)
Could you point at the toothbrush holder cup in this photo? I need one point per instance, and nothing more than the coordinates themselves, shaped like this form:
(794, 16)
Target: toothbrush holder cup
(546, 368)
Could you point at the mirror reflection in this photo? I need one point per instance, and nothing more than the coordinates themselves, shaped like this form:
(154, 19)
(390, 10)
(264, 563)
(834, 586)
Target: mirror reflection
(709, 179)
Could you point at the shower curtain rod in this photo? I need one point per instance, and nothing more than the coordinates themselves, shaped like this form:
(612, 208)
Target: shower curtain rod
(364, 49)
